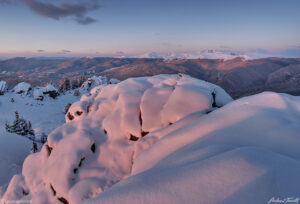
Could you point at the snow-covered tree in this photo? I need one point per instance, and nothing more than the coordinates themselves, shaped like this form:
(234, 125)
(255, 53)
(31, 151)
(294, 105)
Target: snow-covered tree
(68, 105)
(80, 80)
(76, 92)
(65, 85)
(21, 127)
(43, 138)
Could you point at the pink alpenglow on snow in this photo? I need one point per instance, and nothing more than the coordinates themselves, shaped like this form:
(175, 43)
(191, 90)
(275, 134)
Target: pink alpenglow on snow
(96, 147)
(167, 139)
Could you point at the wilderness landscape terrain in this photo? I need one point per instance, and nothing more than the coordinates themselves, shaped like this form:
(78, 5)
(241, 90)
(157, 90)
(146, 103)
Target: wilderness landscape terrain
(239, 77)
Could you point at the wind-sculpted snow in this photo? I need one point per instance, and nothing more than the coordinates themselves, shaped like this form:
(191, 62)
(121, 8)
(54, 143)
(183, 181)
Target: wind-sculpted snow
(246, 152)
(165, 139)
(96, 147)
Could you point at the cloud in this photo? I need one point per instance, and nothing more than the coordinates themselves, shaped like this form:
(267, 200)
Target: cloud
(76, 10)
(41, 50)
(85, 20)
(66, 51)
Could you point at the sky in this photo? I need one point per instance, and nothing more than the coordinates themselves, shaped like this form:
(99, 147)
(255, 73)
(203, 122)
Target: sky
(135, 27)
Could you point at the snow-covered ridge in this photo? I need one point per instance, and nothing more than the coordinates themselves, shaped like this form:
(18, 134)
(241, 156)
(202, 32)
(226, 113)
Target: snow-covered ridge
(39, 93)
(167, 139)
(201, 54)
(102, 130)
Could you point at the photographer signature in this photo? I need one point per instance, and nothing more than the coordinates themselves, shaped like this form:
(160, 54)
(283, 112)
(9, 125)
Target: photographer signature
(284, 200)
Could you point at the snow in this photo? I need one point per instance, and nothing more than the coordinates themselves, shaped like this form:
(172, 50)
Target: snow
(3, 87)
(242, 175)
(244, 152)
(93, 82)
(224, 54)
(22, 88)
(114, 81)
(45, 116)
(39, 93)
(167, 139)
(49, 88)
(95, 148)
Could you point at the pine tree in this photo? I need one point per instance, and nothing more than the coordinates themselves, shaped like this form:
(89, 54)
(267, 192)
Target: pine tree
(20, 127)
(8, 128)
(80, 80)
(34, 148)
(30, 131)
(76, 92)
(74, 84)
(65, 85)
(67, 107)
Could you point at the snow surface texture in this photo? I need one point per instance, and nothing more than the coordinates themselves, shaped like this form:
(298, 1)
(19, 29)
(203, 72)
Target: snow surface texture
(22, 88)
(97, 81)
(39, 93)
(44, 115)
(245, 152)
(105, 131)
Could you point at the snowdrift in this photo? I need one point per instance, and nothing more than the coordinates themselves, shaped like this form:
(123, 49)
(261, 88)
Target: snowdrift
(96, 147)
(246, 152)
(22, 88)
(167, 139)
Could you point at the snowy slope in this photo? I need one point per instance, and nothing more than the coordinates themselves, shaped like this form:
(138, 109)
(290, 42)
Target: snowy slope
(245, 152)
(45, 116)
(167, 139)
(95, 149)
(37, 105)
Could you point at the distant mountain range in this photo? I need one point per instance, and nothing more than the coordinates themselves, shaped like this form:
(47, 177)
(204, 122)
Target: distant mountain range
(238, 76)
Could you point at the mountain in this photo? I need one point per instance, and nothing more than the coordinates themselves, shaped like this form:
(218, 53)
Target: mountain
(238, 76)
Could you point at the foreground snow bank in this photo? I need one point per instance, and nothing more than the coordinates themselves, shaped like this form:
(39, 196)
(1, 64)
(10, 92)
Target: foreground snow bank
(97, 147)
(245, 152)
(163, 139)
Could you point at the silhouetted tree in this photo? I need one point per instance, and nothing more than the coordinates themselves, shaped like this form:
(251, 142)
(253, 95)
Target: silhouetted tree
(34, 148)
(20, 127)
(76, 92)
(68, 105)
(65, 85)
(80, 80)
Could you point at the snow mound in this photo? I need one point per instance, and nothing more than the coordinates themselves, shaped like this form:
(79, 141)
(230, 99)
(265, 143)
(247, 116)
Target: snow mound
(96, 147)
(50, 88)
(215, 174)
(39, 93)
(114, 81)
(246, 152)
(3, 87)
(22, 88)
(93, 82)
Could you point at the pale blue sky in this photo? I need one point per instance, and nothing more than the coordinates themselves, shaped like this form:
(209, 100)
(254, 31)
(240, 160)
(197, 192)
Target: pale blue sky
(140, 26)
